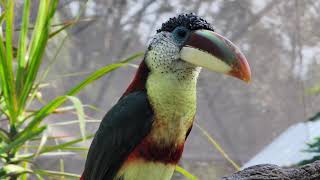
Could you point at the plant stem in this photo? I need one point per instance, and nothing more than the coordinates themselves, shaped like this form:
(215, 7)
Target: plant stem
(13, 131)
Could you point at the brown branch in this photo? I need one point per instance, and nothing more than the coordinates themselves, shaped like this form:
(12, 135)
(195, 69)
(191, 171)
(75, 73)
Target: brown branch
(269, 171)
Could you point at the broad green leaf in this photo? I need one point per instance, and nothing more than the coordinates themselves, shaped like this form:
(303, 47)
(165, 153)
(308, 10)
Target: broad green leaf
(185, 173)
(80, 112)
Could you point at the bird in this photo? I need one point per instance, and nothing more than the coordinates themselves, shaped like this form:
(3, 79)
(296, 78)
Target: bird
(142, 136)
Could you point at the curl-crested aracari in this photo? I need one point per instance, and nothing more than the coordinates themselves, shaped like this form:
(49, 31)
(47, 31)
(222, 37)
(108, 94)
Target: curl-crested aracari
(143, 135)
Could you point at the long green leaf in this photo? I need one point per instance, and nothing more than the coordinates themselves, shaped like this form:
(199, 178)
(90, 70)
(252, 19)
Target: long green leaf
(12, 169)
(37, 46)
(39, 177)
(1, 18)
(1, 21)
(46, 149)
(74, 122)
(62, 148)
(57, 173)
(51, 35)
(218, 147)
(80, 112)
(58, 153)
(51, 62)
(51, 106)
(15, 144)
(185, 173)
(50, 138)
(63, 145)
(4, 136)
(64, 27)
(45, 111)
(96, 75)
(9, 31)
(7, 77)
(43, 141)
(21, 57)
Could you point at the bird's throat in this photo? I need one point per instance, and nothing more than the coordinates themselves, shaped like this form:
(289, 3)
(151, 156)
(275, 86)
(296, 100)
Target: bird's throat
(174, 103)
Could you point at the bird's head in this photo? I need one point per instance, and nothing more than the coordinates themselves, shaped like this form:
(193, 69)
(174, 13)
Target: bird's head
(187, 42)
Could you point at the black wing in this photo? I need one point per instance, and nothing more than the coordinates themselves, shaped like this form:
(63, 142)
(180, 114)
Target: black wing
(122, 128)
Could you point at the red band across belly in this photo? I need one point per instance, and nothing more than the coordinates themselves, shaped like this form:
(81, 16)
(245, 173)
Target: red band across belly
(151, 151)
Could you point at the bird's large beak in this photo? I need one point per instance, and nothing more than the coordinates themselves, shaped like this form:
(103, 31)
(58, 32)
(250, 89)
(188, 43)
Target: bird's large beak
(212, 51)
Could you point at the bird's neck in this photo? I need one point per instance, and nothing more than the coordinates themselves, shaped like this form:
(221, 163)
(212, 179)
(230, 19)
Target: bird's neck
(174, 102)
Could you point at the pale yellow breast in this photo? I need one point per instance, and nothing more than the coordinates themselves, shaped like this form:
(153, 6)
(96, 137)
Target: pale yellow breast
(174, 105)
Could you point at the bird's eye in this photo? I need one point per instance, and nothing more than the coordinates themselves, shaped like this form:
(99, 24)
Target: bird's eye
(180, 33)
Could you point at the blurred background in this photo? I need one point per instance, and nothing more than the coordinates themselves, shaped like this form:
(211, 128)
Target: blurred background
(279, 38)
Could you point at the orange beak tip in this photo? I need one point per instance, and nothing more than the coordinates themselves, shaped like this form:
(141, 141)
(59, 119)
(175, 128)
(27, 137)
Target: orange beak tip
(242, 68)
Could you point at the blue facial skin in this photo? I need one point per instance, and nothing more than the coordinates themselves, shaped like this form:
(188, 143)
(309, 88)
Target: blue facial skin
(180, 35)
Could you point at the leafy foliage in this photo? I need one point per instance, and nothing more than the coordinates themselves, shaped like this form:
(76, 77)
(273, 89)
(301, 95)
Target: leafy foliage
(314, 148)
(19, 87)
